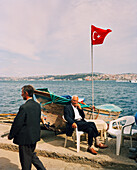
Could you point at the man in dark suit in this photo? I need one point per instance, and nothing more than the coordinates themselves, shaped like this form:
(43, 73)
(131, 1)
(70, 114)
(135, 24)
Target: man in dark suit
(74, 116)
(25, 130)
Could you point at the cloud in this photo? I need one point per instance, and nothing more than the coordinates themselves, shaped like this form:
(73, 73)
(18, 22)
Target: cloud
(54, 36)
(23, 28)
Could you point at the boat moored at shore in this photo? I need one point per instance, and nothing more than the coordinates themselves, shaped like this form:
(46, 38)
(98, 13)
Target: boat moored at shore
(52, 107)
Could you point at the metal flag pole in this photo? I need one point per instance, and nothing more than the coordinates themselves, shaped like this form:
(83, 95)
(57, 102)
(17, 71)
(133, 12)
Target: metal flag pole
(92, 76)
(92, 70)
(97, 37)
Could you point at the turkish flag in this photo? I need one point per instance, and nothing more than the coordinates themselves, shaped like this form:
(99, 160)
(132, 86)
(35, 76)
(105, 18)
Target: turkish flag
(98, 35)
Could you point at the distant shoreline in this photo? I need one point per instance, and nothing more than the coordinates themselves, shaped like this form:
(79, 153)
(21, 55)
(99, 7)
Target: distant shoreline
(125, 77)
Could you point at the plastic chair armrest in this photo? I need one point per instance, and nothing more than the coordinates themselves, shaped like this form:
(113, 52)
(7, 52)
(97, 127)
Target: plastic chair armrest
(131, 124)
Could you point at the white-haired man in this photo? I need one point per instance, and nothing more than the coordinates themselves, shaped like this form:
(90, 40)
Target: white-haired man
(74, 116)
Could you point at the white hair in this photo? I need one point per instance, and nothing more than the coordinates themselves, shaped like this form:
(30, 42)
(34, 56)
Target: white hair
(74, 96)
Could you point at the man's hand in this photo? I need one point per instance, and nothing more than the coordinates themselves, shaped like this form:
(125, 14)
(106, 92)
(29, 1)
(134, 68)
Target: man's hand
(78, 105)
(74, 125)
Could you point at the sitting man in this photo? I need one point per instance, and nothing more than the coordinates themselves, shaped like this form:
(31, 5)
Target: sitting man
(74, 116)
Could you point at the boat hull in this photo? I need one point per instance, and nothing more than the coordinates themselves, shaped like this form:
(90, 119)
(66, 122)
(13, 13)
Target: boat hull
(54, 110)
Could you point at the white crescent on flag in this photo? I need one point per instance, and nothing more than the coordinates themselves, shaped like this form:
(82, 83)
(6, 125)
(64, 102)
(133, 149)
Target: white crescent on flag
(94, 38)
(93, 35)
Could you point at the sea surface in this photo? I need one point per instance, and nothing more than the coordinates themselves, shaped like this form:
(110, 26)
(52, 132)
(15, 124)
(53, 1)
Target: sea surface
(122, 94)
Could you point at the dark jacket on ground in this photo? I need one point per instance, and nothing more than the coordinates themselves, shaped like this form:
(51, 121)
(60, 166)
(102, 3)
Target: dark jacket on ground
(69, 116)
(26, 126)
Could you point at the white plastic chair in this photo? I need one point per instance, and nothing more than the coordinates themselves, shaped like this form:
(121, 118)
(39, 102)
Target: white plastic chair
(76, 134)
(119, 130)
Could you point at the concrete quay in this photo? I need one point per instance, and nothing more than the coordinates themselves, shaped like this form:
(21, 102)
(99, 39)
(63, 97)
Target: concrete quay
(52, 153)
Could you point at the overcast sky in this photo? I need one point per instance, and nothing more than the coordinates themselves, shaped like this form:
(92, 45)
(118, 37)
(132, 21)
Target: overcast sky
(41, 37)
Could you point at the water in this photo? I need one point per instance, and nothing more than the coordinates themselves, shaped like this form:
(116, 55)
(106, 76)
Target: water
(122, 94)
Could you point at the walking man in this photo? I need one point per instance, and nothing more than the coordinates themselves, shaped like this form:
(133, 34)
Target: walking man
(25, 130)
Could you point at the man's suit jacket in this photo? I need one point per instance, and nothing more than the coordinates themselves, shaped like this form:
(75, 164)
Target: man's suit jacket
(26, 126)
(69, 116)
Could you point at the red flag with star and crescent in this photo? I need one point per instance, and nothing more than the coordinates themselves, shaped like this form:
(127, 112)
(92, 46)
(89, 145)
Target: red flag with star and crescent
(98, 35)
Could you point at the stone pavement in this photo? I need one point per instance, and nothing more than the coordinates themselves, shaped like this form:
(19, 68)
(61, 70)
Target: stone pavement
(9, 160)
(54, 156)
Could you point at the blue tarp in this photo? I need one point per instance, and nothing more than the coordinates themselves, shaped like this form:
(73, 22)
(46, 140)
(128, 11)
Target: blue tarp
(109, 107)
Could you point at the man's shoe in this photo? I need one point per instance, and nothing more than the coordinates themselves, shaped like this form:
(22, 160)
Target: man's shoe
(101, 146)
(91, 150)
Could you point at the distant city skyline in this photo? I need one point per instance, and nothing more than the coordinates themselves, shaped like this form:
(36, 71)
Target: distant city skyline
(52, 37)
(85, 76)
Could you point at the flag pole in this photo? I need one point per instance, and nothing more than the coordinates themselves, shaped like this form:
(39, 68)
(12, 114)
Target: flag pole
(92, 75)
(98, 38)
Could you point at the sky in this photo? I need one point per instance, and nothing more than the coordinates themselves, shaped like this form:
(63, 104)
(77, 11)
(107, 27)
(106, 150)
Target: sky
(53, 37)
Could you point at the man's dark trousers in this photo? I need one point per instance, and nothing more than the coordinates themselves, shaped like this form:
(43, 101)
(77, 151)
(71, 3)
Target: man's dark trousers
(28, 157)
(88, 127)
